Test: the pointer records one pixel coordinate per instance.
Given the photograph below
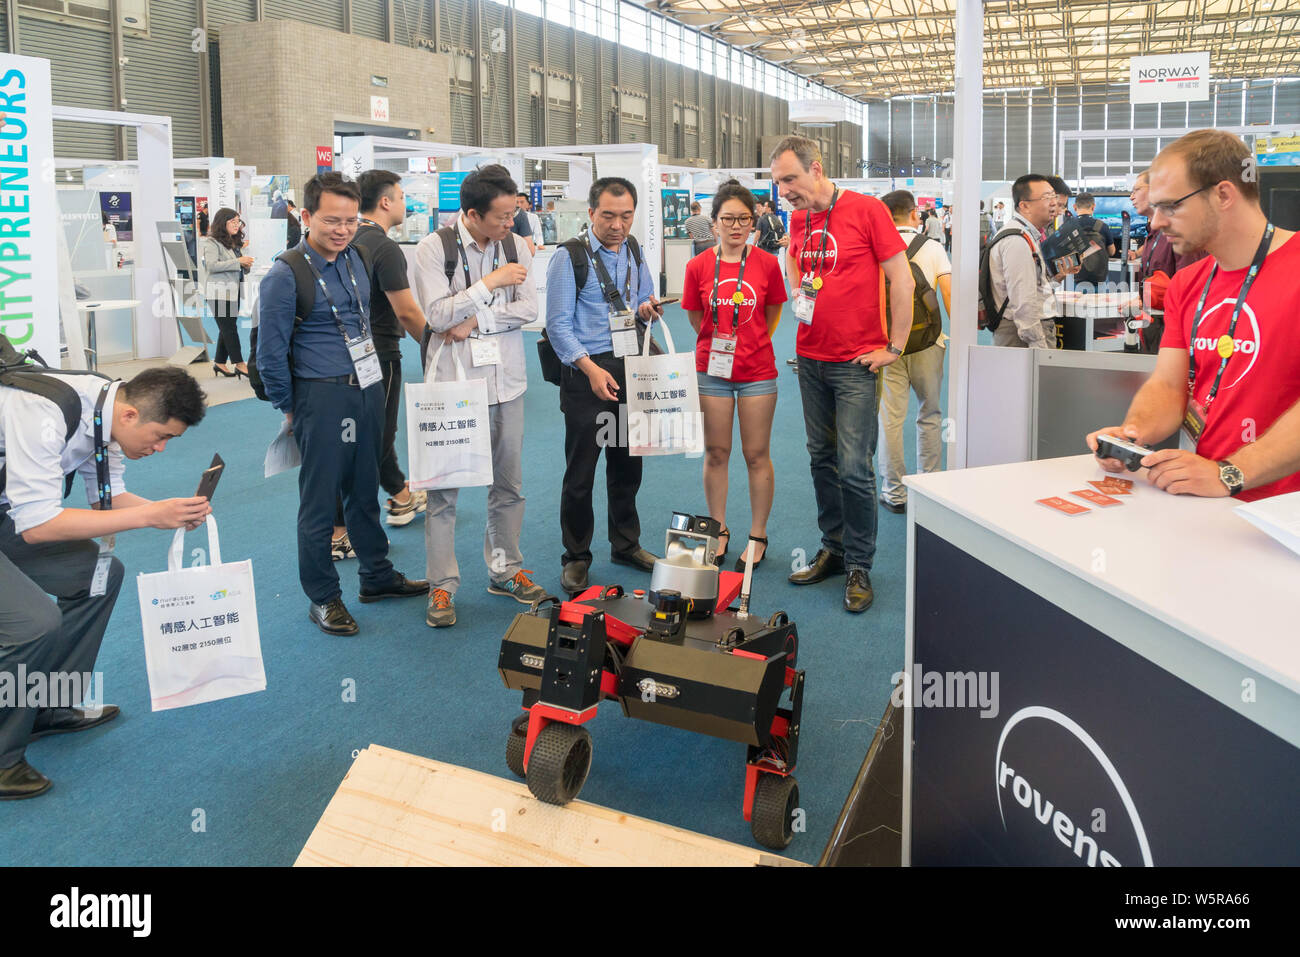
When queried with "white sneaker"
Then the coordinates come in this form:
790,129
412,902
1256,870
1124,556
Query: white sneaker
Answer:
399,515
341,548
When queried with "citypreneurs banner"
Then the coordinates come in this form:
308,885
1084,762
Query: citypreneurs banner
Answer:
29,300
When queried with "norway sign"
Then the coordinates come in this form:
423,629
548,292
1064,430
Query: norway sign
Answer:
1178,77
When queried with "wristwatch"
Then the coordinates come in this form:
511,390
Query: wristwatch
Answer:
1231,477
894,349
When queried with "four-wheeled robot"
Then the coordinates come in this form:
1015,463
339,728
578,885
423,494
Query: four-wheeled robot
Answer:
675,655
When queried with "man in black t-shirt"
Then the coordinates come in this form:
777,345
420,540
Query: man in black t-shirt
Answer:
383,206
524,229
1096,267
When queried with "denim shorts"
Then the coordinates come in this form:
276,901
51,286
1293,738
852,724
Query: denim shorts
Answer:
726,388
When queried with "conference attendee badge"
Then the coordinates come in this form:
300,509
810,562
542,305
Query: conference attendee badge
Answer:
365,361
99,581
803,307
622,332
485,351
1193,420
722,356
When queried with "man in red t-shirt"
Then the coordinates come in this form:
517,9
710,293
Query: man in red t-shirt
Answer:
1203,196
839,243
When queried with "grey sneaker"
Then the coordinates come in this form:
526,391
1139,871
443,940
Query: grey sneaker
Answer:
521,588
442,611
399,515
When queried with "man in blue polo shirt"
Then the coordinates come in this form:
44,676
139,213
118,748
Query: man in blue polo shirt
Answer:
579,324
322,372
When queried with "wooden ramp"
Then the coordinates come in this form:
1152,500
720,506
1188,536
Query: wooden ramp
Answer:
396,809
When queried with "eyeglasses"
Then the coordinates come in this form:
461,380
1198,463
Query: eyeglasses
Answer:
735,220
334,222
1171,207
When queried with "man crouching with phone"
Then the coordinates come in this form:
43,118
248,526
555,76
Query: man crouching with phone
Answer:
47,549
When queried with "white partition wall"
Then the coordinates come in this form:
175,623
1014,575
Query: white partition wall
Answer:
155,323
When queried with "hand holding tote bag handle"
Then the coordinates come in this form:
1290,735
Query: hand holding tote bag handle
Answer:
448,444
201,640
663,400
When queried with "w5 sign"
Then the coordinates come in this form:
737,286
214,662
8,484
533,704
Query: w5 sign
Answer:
1177,78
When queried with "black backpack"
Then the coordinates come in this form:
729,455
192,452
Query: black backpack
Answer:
304,281
990,313
17,372
927,322
451,258
577,249
1096,267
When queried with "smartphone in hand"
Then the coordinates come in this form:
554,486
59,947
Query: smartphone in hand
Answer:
211,475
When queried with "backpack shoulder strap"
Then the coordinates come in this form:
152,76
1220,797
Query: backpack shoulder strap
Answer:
60,393
578,256
364,254
447,234
512,252
914,247
635,248
304,283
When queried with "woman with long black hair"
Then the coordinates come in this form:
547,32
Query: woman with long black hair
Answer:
222,266
732,294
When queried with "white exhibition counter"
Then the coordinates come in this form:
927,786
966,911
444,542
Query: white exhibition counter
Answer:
1119,686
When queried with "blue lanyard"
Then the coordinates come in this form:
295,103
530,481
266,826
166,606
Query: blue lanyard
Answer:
361,312
607,288
101,452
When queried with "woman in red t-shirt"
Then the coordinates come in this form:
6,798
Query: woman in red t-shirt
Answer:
733,295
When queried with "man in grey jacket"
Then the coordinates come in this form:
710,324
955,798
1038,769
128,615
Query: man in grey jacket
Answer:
1018,272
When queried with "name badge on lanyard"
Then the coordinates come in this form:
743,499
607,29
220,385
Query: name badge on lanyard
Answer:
485,351
722,355
361,349
722,347
806,298
622,332
365,361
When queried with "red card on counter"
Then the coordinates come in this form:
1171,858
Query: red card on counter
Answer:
1062,505
1097,498
1110,488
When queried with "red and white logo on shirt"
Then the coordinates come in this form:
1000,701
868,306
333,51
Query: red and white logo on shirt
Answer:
1245,344
810,254
750,300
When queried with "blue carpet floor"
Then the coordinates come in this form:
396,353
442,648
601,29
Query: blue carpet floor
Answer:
243,781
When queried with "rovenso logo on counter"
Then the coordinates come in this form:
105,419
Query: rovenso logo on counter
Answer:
1060,797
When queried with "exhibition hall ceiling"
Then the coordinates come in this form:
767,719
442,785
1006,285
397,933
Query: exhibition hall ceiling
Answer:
879,48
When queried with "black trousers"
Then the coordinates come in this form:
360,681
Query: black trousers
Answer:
228,346
590,425
339,429
391,478
42,636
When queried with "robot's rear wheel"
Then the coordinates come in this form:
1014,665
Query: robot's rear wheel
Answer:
558,766
515,745
776,799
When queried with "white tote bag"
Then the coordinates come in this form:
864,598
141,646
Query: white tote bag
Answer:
663,401
200,628
448,443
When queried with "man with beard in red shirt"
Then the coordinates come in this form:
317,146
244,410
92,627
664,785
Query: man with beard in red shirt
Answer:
1228,372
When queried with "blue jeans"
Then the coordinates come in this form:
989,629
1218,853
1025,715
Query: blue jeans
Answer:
839,411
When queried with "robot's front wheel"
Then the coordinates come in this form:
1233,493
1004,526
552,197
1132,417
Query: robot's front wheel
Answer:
776,799
558,766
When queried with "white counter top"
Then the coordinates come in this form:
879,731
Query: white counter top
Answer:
1189,562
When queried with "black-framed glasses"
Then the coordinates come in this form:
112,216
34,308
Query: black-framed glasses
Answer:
1171,207
735,220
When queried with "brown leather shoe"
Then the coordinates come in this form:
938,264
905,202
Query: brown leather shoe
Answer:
858,594
824,564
